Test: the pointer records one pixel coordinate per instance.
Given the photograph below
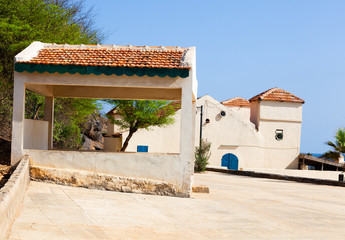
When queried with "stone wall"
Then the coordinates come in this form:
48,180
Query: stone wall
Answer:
78,178
12,195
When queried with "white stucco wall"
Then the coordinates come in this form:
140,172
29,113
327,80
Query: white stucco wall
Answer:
285,111
158,139
35,134
236,134
244,112
229,134
285,116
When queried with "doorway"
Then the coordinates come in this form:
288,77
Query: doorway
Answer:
230,161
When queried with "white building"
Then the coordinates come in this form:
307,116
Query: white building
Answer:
263,132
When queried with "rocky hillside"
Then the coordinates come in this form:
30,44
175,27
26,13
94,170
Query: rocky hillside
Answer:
92,131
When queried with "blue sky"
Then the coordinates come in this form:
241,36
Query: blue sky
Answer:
245,47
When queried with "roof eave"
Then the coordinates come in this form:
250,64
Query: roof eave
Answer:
98,70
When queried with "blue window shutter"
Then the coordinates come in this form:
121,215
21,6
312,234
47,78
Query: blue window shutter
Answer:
141,148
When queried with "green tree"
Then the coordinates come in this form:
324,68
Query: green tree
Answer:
34,105
338,146
202,155
137,114
67,129
57,21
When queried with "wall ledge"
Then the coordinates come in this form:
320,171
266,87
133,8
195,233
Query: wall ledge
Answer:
12,196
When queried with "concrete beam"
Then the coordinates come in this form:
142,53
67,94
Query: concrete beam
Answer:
44,90
116,92
100,80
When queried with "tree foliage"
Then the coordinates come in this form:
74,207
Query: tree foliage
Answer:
338,146
55,21
202,155
137,114
67,129
34,105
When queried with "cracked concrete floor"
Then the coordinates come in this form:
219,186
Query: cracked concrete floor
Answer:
237,208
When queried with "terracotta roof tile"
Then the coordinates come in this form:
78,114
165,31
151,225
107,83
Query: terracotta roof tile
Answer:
150,57
237,101
276,94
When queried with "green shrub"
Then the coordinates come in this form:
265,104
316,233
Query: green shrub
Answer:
201,156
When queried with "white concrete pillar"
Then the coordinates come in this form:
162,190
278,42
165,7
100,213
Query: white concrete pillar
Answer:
49,116
18,120
193,141
187,134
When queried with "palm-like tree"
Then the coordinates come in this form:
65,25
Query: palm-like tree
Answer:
338,146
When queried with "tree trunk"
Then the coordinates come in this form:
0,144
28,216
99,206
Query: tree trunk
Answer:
37,110
130,134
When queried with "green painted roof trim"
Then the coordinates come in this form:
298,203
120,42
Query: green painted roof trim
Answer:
97,70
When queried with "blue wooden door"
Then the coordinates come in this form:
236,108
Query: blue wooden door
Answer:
230,161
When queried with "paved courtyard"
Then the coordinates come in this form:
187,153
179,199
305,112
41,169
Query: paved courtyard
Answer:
236,208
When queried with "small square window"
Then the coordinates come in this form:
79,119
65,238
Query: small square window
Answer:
279,134
141,148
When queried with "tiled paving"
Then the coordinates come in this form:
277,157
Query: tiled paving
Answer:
236,208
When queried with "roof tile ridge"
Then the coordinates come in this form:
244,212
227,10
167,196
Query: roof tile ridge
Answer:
231,99
267,92
295,97
98,46
240,98
291,95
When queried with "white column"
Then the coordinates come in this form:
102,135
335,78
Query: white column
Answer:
193,141
49,116
18,120
187,134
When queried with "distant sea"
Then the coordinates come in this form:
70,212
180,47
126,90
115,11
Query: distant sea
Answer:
320,154
316,154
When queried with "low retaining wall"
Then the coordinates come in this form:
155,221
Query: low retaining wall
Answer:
279,177
12,195
327,175
79,178
141,169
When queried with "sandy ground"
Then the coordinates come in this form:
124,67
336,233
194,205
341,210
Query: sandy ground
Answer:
237,208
